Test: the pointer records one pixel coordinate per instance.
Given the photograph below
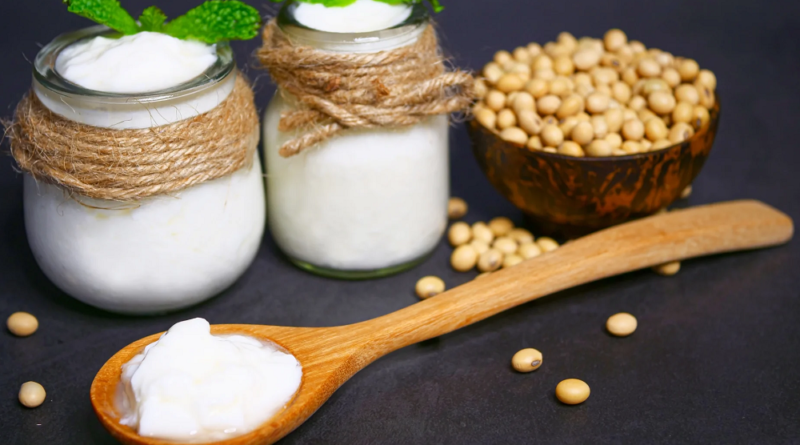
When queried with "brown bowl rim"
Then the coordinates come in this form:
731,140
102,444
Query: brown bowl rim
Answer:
714,112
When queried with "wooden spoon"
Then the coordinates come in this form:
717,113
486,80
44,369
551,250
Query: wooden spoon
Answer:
330,356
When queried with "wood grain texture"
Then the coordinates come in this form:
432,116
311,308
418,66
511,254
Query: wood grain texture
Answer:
330,356
572,196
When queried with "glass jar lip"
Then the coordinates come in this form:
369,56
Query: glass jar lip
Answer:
45,73
287,22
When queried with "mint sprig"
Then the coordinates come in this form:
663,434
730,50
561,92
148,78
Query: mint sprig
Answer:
213,21
435,4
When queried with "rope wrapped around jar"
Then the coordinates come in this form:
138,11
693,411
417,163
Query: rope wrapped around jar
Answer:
133,164
399,87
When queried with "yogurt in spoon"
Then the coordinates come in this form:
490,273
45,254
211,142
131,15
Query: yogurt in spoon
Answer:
194,386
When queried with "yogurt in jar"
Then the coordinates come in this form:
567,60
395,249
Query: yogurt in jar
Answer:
139,63
361,16
164,252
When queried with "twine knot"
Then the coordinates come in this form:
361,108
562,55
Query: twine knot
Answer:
339,91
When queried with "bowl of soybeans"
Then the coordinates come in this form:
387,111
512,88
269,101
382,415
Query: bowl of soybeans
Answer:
582,134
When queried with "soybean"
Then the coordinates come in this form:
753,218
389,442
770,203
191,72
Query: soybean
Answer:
521,236
535,143
572,391
500,226
615,39
456,208
571,106
487,117
583,133
490,261
706,78
506,119
598,147
529,250
482,232
599,126
464,258
429,286
680,132
633,130
668,269
571,148
515,135
537,88
505,245
597,103
548,104
547,244
688,69
622,324
649,68
22,324
527,360
683,112
700,116
552,136
459,234
661,102
656,129
615,117
512,260
510,82
31,394
479,246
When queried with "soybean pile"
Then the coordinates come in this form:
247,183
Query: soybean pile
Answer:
594,97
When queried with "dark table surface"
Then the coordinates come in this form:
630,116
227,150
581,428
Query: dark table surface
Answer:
716,358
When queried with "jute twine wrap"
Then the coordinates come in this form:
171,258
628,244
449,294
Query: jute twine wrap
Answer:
338,91
129,165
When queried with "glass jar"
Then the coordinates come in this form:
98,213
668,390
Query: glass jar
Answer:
366,203
158,254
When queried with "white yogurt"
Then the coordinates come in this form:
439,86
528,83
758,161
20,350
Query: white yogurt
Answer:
162,253
367,199
361,16
140,63
193,386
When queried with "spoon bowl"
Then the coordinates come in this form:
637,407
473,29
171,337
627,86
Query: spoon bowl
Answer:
330,356
326,366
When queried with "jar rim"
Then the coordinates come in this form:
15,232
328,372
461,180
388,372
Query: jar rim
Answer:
406,30
46,74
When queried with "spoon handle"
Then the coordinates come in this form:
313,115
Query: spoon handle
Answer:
674,236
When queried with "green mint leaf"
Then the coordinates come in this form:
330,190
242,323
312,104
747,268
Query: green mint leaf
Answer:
104,12
326,3
437,6
152,19
215,21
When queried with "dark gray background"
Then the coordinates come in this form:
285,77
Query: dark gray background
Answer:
716,358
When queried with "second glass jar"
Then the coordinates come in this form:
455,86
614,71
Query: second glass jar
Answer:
367,203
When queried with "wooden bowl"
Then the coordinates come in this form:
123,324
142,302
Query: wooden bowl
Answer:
570,197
